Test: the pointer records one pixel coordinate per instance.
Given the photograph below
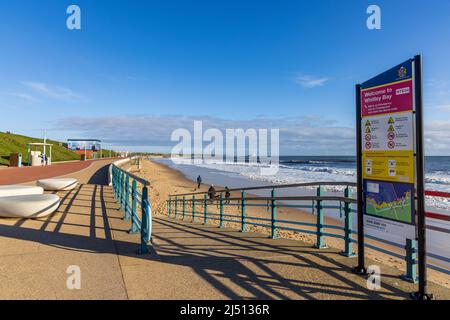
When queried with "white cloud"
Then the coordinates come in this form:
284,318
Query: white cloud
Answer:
438,83
444,108
301,135
437,137
309,82
54,92
311,135
439,87
20,95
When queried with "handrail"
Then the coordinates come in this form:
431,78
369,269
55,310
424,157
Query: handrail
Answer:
279,186
439,194
297,198
134,177
437,216
433,215
126,193
317,203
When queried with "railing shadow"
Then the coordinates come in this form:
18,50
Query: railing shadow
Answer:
250,252
100,177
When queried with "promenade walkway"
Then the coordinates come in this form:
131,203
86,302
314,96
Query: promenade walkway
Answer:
15,175
187,261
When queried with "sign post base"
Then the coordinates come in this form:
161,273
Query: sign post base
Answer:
421,296
360,270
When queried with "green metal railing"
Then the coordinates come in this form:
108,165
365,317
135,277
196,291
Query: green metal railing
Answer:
125,186
316,203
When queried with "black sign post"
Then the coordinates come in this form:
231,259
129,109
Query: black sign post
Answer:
420,190
361,268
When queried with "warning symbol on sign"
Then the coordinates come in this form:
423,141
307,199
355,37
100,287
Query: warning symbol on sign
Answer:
368,130
391,144
367,123
391,120
368,145
391,136
391,128
368,137
392,163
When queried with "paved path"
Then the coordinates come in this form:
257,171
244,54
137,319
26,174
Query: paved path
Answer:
205,262
188,261
35,254
25,174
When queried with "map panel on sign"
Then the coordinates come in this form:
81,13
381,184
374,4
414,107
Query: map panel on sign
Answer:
390,200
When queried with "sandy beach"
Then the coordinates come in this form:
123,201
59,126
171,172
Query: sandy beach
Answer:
166,181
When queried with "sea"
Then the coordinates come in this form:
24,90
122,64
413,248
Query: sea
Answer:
305,169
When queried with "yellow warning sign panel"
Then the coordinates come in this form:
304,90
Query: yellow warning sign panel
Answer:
395,166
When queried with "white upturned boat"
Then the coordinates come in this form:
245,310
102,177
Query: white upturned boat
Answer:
58,184
19,190
28,206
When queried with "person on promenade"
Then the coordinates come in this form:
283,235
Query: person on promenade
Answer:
199,181
227,195
212,193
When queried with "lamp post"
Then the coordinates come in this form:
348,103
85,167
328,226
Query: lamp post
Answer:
45,141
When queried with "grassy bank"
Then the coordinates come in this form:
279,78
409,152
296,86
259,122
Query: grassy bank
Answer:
10,143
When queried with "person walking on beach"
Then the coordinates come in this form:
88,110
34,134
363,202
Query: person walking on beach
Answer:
212,193
199,181
227,195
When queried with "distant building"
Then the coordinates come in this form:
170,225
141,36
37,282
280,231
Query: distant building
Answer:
91,148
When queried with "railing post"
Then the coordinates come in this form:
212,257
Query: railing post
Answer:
112,180
120,187
205,210
193,208
146,222
122,191
243,212
221,210
274,215
348,250
176,207
184,207
170,206
127,215
320,243
115,182
134,227
411,261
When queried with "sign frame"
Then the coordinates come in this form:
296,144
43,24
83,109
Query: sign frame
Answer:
417,181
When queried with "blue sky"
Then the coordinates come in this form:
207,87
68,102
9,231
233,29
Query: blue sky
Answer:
139,69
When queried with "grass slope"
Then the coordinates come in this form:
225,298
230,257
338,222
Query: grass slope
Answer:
10,143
